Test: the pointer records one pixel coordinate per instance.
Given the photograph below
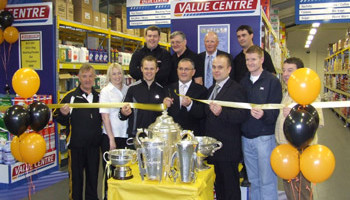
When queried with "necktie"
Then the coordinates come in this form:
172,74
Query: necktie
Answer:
209,75
215,91
182,92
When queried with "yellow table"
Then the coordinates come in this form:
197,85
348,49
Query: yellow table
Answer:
136,189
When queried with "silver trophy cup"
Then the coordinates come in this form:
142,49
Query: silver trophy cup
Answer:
121,159
206,147
186,154
150,157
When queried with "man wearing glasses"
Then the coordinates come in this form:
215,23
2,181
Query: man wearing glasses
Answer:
178,44
186,112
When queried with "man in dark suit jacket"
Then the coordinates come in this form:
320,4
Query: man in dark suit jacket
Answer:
203,74
223,124
186,112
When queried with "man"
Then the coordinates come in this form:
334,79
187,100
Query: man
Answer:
85,135
245,39
186,112
258,131
151,48
223,124
179,45
204,75
143,91
289,66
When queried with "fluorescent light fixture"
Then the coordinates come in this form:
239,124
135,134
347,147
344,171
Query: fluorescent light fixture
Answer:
308,42
307,46
315,25
313,31
310,37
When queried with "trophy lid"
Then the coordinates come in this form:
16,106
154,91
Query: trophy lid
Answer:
164,123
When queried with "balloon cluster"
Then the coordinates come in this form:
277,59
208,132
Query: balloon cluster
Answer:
316,162
27,147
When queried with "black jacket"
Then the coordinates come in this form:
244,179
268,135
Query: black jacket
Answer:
188,120
84,123
163,60
140,93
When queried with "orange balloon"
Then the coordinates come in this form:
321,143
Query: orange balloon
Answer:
32,148
304,86
15,149
317,163
11,34
25,82
1,36
3,4
285,161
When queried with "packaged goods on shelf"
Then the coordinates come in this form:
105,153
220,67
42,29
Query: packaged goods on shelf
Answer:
124,58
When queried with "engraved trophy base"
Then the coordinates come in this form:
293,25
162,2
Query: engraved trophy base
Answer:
122,173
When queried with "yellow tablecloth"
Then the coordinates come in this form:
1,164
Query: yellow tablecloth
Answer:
136,189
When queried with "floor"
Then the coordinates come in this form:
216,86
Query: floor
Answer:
333,135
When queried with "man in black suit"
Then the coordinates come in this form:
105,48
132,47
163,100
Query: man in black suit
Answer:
203,74
186,112
223,124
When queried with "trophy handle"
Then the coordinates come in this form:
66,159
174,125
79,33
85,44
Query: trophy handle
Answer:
219,146
141,164
139,131
173,174
189,134
104,156
130,141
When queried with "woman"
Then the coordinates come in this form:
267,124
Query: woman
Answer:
113,128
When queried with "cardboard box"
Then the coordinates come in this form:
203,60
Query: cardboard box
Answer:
116,24
104,20
96,19
124,27
70,12
83,4
83,15
163,37
60,9
137,32
120,11
130,31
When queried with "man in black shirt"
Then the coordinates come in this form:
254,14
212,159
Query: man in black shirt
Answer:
245,38
151,48
178,44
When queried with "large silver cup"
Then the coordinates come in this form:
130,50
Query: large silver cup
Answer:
206,147
150,157
186,154
121,159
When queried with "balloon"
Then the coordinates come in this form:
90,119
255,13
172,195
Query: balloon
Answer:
25,82
11,34
304,85
16,119
6,19
285,161
310,109
317,163
32,148
1,36
15,149
299,127
39,115
3,4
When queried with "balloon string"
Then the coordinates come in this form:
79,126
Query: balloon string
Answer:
9,53
291,186
29,177
3,58
299,185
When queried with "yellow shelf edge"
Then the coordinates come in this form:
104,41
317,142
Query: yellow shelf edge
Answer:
101,66
337,91
337,53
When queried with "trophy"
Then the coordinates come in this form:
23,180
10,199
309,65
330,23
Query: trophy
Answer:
206,147
121,159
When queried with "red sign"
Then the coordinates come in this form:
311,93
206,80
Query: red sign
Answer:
30,12
215,6
23,168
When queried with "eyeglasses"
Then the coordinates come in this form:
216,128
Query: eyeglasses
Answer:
184,69
176,42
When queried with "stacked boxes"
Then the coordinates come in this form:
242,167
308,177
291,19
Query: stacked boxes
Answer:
83,11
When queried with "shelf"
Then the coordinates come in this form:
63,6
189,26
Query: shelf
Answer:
338,72
337,91
341,115
78,65
337,53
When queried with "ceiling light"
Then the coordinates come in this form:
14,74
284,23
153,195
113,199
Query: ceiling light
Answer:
315,25
313,31
307,46
310,37
308,42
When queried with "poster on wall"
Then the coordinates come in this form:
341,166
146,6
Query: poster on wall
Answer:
223,32
30,47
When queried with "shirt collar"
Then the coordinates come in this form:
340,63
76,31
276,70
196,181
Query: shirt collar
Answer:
222,83
213,55
187,84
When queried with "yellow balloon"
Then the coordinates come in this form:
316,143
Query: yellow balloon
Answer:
3,4
285,161
25,82
304,86
317,163
15,149
32,148
11,34
1,36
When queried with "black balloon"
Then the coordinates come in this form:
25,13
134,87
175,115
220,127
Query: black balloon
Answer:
6,19
299,128
16,119
310,109
39,115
